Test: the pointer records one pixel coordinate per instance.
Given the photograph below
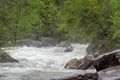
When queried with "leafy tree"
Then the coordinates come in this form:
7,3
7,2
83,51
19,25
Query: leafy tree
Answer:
93,21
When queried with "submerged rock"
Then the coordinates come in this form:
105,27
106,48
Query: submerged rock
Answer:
65,46
107,60
83,64
4,57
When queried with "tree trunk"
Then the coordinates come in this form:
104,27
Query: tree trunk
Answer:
38,27
17,21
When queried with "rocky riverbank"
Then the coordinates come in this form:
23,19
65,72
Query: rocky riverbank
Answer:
107,67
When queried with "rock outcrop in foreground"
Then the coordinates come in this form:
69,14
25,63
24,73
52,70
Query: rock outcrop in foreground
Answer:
84,75
107,60
112,73
4,57
107,66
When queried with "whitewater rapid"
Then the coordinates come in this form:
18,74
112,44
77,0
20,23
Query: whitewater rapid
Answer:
40,60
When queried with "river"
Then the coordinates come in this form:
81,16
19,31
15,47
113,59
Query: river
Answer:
39,63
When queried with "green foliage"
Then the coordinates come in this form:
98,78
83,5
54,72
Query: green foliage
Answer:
76,20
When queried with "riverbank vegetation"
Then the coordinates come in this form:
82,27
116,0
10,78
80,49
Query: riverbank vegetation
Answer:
93,21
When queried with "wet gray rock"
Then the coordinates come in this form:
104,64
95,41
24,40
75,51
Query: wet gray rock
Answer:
65,46
4,57
33,43
48,41
112,73
81,76
29,43
107,60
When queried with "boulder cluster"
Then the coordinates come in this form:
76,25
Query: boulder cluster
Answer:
107,67
63,46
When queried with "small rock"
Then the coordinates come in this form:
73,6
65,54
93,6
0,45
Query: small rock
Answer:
65,46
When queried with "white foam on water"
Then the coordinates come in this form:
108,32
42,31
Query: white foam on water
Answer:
42,59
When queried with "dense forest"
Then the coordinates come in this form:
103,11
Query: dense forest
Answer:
93,21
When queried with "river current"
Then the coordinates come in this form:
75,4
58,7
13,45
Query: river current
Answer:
39,63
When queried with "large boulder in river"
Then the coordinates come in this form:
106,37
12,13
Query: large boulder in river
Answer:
4,57
65,46
107,60
73,63
87,62
83,64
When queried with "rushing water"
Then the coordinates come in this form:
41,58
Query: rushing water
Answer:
39,63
